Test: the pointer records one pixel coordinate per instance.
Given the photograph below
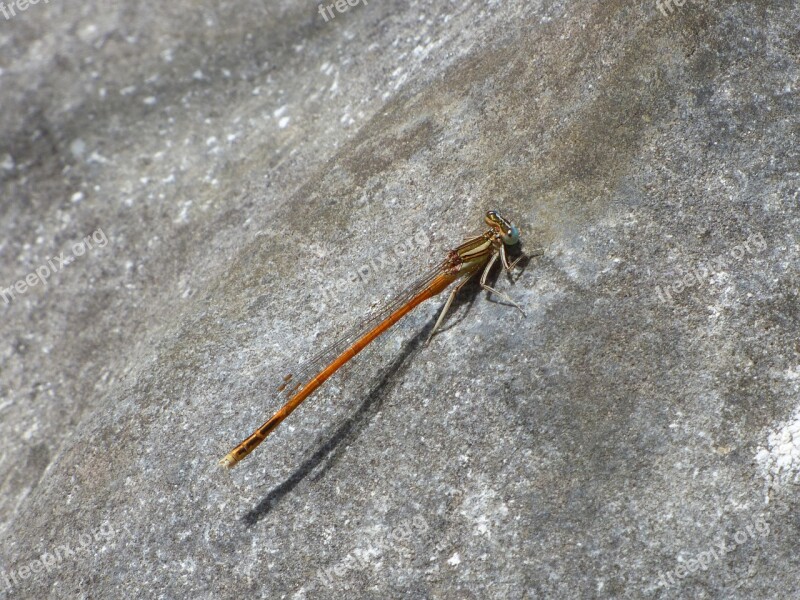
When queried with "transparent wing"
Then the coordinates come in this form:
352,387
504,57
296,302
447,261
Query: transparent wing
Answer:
295,381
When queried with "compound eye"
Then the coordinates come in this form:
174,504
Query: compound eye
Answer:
511,236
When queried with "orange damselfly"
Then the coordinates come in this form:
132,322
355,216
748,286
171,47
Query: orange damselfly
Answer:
462,263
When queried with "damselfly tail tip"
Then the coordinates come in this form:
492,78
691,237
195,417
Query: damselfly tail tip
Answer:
229,461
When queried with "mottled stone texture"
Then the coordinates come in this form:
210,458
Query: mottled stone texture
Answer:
254,169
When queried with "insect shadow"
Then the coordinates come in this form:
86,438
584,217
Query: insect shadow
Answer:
348,431
351,428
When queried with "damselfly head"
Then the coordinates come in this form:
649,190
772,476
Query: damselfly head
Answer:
507,231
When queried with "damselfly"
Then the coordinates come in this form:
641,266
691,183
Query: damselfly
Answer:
462,263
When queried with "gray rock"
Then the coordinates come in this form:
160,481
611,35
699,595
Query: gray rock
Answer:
233,183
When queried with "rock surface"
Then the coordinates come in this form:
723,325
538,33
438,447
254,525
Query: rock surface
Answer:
234,181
